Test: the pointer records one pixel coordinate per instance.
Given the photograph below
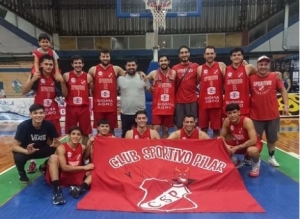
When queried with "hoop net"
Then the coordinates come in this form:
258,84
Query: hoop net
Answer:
159,9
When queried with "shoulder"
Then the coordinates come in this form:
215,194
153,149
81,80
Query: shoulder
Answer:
61,149
226,122
46,123
25,124
129,134
203,135
194,65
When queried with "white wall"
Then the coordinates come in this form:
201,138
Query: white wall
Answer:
276,42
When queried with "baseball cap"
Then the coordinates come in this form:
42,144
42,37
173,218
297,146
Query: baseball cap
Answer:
263,58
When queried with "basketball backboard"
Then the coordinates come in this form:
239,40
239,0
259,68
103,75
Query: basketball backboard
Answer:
137,8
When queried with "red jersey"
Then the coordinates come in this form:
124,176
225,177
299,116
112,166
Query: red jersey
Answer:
264,104
137,135
105,90
78,90
194,135
164,94
105,136
211,83
237,88
186,89
45,95
73,157
39,56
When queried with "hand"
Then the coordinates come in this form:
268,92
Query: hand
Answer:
143,76
58,77
31,149
233,149
36,76
228,147
91,142
285,111
278,75
244,62
89,166
55,143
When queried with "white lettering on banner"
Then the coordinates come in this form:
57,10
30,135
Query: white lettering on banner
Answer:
36,137
176,155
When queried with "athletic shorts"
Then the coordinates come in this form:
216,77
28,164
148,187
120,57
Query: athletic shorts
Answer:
78,115
259,146
210,118
271,128
164,120
112,117
67,178
56,124
182,109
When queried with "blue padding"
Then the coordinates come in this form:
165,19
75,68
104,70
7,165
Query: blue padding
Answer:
152,66
149,112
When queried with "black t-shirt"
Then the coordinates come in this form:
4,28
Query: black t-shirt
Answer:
27,133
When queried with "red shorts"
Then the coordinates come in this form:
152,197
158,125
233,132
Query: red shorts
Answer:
68,178
259,146
164,120
81,115
210,118
56,124
112,117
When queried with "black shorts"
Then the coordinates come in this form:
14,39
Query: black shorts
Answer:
182,109
271,128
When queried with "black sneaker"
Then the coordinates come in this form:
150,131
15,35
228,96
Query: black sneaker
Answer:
75,191
23,177
43,168
58,198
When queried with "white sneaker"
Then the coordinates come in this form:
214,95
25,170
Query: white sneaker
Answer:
273,162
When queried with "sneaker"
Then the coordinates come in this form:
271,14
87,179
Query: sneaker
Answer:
247,161
23,177
273,162
32,167
60,101
74,191
58,198
236,162
42,168
255,171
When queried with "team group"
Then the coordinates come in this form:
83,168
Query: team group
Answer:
242,118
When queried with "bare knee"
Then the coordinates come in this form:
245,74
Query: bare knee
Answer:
53,160
252,151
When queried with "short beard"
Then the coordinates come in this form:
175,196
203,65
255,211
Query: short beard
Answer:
164,68
104,64
131,73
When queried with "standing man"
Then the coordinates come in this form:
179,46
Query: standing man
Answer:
142,131
264,105
186,82
132,88
188,131
105,90
237,82
211,92
79,84
163,103
35,138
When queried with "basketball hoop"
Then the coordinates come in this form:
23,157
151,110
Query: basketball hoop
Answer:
159,9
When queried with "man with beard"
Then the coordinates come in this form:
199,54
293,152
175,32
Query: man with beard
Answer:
211,92
78,103
188,131
142,131
163,103
132,88
185,90
105,90
264,105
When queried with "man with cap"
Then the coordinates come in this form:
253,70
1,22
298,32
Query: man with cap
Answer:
264,105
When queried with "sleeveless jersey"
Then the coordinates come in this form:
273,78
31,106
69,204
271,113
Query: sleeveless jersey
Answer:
73,157
78,90
45,95
39,56
104,136
238,131
237,88
137,135
211,83
105,90
186,89
194,135
164,94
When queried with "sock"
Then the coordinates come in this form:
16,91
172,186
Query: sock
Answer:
55,184
271,153
256,164
83,187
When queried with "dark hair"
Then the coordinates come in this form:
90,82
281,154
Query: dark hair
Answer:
232,106
102,122
35,107
105,51
209,47
161,56
46,57
43,36
73,128
141,112
237,49
131,60
189,116
77,57
183,47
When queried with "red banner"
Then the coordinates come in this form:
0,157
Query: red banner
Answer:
165,176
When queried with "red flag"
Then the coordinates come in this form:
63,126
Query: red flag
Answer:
165,176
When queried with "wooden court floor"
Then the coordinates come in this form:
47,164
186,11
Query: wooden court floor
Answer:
288,141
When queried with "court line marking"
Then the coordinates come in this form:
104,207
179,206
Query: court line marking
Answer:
289,153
